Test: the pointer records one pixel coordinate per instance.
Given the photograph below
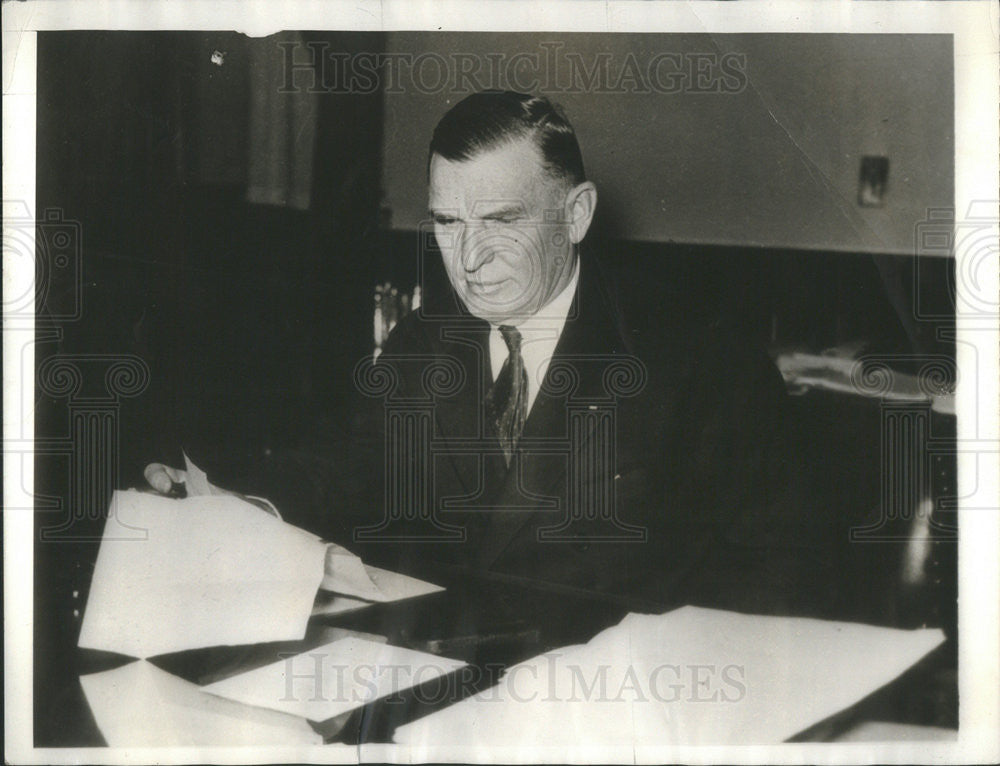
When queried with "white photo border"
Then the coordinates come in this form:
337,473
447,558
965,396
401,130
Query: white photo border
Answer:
974,28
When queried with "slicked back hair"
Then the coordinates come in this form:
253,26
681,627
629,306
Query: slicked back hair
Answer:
492,118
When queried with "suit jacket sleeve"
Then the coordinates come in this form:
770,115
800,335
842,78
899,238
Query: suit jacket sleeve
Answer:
743,485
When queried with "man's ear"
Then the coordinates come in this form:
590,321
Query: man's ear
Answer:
581,202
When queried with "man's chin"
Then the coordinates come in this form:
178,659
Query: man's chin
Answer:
498,312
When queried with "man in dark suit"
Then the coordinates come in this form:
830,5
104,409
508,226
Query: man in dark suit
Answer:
521,429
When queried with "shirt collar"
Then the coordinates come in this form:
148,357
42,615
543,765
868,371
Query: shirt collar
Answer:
552,316
539,336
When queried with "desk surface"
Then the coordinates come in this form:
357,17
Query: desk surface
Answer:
486,622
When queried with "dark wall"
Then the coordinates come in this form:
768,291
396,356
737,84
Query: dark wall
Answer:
246,314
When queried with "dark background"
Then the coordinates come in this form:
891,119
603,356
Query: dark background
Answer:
251,317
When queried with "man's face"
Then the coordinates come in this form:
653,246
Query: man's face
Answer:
500,221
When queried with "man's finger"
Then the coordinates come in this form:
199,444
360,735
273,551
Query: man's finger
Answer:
162,477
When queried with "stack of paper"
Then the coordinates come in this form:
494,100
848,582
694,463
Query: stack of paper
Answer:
690,677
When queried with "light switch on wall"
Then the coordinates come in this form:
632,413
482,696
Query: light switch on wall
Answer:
873,181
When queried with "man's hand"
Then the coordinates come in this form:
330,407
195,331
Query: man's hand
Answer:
171,482
163,478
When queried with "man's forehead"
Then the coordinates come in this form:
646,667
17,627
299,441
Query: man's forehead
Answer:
512,173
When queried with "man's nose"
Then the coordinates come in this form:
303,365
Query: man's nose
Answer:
474,246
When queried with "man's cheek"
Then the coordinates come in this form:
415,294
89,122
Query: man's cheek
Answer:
445,238
451,265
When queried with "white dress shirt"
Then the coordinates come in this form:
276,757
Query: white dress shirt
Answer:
539,336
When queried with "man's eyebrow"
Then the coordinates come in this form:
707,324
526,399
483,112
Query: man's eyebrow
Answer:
504,212
507,211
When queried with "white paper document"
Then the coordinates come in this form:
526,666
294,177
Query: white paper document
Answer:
196,482
139,705
333,679
689,677
391,586
346,574
173,575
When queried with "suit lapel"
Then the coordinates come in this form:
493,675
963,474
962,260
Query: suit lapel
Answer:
589,336
460,417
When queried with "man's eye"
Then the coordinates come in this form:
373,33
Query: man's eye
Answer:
445,220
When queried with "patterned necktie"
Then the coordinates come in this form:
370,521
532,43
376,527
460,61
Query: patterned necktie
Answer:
507,399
